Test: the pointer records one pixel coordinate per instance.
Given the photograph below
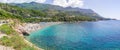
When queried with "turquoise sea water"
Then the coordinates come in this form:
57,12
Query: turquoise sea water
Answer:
101,35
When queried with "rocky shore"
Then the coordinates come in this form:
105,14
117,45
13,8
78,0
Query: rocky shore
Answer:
31,27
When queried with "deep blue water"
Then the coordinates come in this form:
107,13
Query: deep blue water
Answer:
101,35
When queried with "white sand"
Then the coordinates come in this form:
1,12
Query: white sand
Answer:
30,27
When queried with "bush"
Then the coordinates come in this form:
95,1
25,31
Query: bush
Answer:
6,41
6,29
14,40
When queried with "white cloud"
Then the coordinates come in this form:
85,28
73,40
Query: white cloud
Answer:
21,1
40,1
63,3
60,3
71,3
13,1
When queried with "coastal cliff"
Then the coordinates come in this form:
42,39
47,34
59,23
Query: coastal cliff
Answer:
12,39
31,27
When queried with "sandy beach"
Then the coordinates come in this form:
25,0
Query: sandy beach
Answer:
31,27
28,27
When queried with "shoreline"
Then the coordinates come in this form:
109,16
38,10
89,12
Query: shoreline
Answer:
32,45
31,27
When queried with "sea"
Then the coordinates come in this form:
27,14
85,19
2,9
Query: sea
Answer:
96,35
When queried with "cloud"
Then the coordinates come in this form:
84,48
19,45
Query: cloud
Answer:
40,1
63,3
21,1
14,1
68,3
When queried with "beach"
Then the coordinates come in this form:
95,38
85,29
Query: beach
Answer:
28,27
31,27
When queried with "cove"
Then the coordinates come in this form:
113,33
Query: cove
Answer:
100,35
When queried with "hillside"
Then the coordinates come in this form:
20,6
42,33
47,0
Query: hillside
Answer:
20,11
68,10
45,13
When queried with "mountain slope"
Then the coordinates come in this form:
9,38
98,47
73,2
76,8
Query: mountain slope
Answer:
6,15
67,10
20,11
45,14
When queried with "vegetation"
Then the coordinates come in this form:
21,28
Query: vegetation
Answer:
20,11
6,29
16,42
19,15
32,15
52,10
6,41
6,15
62,19
13,39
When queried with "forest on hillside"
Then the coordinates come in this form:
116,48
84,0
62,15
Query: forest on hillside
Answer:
32,15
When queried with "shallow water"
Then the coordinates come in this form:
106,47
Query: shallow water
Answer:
101,35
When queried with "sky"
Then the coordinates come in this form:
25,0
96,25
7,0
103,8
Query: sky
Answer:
105,8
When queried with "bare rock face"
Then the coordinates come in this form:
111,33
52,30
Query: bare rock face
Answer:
27,28
30,27
25,33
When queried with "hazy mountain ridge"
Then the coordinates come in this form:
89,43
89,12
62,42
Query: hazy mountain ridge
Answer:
67,10
36,12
